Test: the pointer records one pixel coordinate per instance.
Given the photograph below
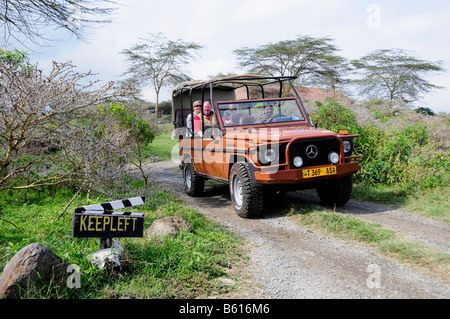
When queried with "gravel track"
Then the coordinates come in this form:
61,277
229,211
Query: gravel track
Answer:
292,262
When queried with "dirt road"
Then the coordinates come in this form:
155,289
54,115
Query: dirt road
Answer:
289,261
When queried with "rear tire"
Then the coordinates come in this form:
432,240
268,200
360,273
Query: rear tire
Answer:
337,191
193,183
247,197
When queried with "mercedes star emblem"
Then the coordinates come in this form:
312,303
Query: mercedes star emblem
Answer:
312,151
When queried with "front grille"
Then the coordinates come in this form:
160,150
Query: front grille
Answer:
323,147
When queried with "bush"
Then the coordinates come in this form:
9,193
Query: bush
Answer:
43,137
139,132
406,156
335,117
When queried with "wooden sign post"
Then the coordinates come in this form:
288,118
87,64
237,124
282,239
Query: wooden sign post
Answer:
100,221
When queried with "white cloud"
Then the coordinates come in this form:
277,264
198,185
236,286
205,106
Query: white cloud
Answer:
251,11
223,26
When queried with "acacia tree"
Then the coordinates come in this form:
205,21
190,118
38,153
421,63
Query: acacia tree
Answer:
24,20
394,74
47,133
158,61
332,72
303,57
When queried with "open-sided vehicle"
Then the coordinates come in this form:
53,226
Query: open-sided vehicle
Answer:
263,141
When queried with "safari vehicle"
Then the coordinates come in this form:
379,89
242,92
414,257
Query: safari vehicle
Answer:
263,142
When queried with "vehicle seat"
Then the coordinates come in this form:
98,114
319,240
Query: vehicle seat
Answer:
235,117
180,117
246,120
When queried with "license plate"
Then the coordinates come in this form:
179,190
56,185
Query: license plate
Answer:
316,172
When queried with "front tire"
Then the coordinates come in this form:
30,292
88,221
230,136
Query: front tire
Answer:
193,183
247,197
337,191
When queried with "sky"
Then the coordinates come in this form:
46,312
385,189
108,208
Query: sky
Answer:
358,27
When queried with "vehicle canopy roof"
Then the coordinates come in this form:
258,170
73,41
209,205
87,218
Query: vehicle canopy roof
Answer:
224,89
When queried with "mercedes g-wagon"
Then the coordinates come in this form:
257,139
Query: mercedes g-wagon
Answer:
258,139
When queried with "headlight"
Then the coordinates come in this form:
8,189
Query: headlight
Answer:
347,146
270,155
333,157
298,161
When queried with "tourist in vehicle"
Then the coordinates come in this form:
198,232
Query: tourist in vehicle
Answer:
268,113
197,113
227,115
209,119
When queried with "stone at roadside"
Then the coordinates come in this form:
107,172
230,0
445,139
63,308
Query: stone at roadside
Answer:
108,257
167,226
32,264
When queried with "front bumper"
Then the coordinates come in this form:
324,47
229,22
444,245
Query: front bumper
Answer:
268,175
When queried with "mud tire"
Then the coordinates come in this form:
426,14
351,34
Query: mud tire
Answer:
336,192
193,183
247,197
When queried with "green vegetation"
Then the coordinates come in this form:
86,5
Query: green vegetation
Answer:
183,267
186,266
15,57
432,203
162,146
403,164
140,132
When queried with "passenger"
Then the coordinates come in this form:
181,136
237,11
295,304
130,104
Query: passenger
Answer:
197,113
268,114
209,119
227,115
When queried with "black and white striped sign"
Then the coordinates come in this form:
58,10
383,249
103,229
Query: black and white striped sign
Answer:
100,221
109,206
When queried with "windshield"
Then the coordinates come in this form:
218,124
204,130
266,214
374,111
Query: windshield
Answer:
259,112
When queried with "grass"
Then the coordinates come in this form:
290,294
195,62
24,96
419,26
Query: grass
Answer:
162,145
186,266
431,203
385,241
379,193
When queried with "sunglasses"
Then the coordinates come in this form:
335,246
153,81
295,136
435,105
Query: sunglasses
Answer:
197,106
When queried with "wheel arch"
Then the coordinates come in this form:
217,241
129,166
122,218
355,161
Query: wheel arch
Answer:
235,158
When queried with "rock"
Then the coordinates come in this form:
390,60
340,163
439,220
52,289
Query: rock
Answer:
108,256
167,226
32,264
